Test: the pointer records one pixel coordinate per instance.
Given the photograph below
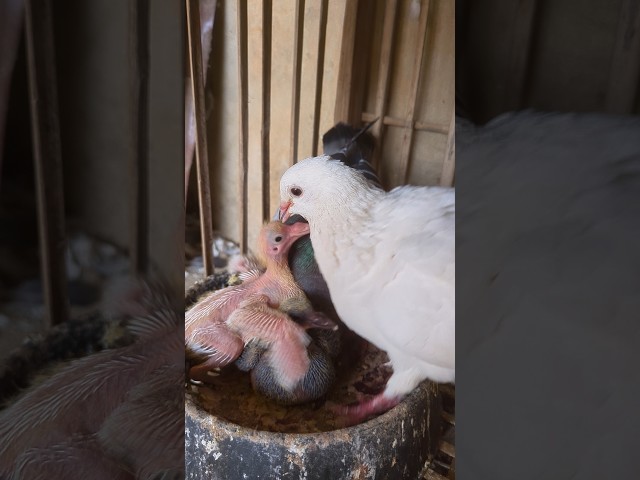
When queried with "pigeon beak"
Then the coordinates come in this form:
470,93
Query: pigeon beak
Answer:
284,210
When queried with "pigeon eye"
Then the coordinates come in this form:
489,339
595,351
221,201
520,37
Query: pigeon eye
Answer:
296,191
278,239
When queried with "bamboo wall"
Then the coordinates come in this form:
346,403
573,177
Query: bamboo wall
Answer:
283,72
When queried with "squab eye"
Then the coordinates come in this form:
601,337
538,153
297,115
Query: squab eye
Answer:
278,239
296,191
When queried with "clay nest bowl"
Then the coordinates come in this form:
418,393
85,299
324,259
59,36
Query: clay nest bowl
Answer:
233,433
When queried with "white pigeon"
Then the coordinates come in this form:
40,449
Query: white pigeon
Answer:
389,261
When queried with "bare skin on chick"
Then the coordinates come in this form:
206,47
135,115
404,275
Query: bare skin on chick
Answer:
218,327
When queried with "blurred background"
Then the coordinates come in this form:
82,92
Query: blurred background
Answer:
548,55
91,112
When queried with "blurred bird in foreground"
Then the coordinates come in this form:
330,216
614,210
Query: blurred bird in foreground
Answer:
388,259
549,238
116,414
268,310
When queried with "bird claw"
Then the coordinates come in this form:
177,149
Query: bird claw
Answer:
193,381
201,374
350,415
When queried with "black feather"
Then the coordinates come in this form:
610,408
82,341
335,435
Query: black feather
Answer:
353,148
314,385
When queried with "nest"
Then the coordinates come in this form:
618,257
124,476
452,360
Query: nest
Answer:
361,373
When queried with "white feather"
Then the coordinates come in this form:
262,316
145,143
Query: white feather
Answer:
389,262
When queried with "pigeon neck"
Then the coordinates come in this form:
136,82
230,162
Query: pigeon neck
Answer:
339,231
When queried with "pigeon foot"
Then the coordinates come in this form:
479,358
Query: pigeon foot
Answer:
363,410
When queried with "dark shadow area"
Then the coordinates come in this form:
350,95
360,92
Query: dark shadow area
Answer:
547,235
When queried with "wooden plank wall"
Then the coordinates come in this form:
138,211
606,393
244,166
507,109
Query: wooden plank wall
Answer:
283,74
410,88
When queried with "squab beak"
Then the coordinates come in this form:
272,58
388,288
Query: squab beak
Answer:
284,210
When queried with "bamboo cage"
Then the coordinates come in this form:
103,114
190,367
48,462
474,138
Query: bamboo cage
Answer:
282,73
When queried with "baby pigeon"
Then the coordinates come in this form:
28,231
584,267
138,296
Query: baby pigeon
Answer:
389,262
260,310
317,380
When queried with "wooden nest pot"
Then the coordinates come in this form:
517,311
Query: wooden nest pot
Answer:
394,445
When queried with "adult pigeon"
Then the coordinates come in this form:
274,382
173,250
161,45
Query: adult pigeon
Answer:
389,262
354,148
218,327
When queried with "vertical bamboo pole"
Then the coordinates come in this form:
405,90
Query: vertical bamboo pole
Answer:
258,67
401,172
297,71
345,77
45,129
241,32
324,10
384,74
139,65
202,160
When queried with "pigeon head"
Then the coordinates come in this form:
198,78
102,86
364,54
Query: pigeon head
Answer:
276,238
313,185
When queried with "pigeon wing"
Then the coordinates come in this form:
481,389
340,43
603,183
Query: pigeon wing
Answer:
414,273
